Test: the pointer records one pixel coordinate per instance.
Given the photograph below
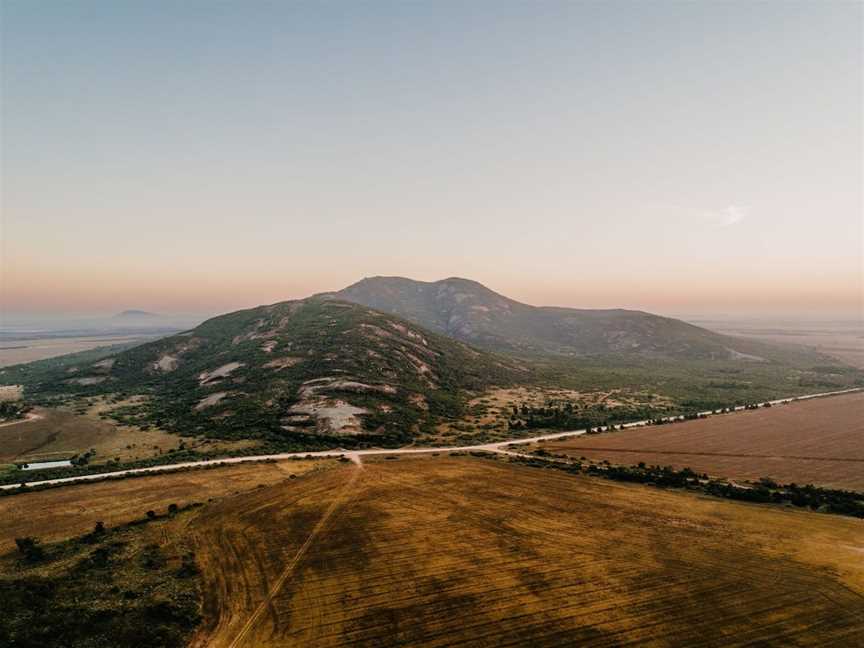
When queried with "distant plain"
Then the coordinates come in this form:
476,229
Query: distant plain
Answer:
841,340
29,350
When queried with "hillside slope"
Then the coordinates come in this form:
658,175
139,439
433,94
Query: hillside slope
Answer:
312,371
468,311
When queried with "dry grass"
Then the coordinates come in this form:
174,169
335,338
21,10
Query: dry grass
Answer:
817,441
446,552
60,434
61,513
10,392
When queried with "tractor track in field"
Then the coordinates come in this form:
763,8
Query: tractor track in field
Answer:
344,495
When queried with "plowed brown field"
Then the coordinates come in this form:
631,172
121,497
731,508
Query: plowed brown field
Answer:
461,551
820,441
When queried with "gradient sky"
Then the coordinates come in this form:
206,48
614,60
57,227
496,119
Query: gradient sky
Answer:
683,158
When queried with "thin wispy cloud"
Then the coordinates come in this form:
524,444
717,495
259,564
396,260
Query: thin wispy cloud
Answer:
726,217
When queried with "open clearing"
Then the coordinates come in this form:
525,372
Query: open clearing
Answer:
60,513
10,392
437,551
60,434
819,441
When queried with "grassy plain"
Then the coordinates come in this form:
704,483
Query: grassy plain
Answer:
439,551
60,513
62,433
817,441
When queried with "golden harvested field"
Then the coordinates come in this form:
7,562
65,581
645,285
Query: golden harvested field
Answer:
461,551
60,513
820,441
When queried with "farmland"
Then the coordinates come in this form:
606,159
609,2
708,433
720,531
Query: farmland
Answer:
60,513
452,551
817,441
449,549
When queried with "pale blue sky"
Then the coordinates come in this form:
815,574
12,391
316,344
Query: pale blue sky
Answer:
698,158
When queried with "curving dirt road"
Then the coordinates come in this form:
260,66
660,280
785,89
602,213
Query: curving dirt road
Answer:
30,416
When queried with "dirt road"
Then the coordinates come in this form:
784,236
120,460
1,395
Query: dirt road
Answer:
30,416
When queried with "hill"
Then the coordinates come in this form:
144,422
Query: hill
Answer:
309,372
136,314
471,312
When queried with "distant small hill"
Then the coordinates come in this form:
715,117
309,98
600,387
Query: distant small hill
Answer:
136,314
469,311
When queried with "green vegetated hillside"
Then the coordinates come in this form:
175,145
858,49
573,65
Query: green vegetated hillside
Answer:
310,372
468,311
